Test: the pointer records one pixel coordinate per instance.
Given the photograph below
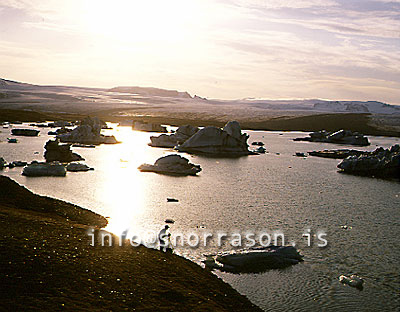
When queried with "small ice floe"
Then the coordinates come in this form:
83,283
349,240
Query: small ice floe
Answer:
40,169
83,145
25,132
255,260
18,163
353,281
260,150
210,263
346,227
75,167
2,163
14,164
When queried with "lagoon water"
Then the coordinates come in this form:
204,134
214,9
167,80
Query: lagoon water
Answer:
260,194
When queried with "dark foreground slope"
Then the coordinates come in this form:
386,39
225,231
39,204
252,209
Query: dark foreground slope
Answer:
47,264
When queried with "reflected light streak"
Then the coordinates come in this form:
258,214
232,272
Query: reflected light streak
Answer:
125,189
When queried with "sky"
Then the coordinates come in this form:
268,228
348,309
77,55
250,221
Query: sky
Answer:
227,49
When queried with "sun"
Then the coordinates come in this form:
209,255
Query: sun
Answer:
141,21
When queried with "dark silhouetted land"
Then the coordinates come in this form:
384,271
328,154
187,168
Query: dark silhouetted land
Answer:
47,264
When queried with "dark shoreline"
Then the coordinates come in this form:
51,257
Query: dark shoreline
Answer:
359,122
47,264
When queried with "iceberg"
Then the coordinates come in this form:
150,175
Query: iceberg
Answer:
381,162
148,127
54,151
353,280
213,141
2,163
182,134
339,137
25,132
41,169
88,132
255,260
75,167
172,165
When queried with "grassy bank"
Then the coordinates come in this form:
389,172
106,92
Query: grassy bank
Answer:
47,264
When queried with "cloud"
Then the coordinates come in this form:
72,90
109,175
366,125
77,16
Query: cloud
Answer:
273,4
232,48
370,18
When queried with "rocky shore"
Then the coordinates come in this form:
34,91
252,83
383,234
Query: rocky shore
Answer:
47,264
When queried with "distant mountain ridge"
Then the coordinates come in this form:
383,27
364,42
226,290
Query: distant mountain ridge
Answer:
151,92
124,96
5,83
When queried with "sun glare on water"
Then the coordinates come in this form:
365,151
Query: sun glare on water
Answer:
124,189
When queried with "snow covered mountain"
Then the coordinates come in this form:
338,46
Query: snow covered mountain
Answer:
357,107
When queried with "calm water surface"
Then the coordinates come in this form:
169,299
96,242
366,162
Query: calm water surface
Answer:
265,193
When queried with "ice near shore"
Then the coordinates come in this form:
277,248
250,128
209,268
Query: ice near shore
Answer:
255,260
41,169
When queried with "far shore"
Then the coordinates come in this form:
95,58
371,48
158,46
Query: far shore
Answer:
364,123
48,264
